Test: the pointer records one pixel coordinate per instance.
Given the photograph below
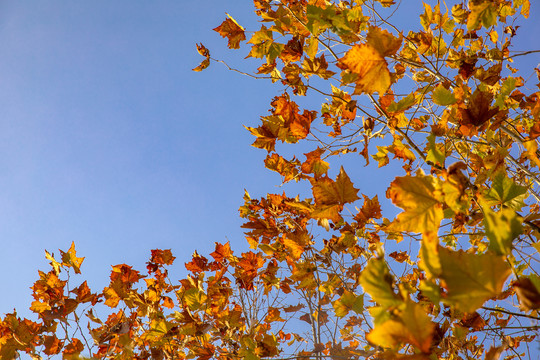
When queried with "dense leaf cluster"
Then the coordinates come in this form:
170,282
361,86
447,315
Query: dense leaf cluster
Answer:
453,276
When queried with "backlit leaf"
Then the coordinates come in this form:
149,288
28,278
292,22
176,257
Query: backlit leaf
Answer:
232,31
385,43
442,96
377,281
471,279
417,196
502,227
369,65
69,258
348,301
412,326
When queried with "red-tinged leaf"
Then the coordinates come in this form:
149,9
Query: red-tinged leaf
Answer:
286,168
111,297
294,248
232,31
197,264
266,135
528,293
293,308
306,318
273,315
330,212
74,348
301,124
314,164
473,320
168,302
371,209
162,257
292,51
52,344
84,294
478,110
125,274
370,67
400,256
222,252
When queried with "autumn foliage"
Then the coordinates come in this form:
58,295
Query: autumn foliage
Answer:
453,276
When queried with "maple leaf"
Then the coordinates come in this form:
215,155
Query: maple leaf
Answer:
53,345
478,111
417,196
162,257
371,209
314,164
232,31
378,283
330,196
222,252
471,279
412,326
385,43
482,13
341,191
347,302
369,65
69,258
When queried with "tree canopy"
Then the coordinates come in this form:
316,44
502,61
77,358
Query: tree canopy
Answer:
330,275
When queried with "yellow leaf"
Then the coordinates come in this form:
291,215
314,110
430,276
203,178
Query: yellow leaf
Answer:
385,43
482,13
417,196
377,281
412,326
39,307
471,279
429,254
369,65
55,264
69,258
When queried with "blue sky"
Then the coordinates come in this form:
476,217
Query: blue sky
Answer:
108,139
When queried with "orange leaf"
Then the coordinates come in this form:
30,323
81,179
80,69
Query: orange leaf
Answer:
74,348
53,345
385,43
329,192
370,210
162,257
365,61
222,252
314,164
232,31
69,258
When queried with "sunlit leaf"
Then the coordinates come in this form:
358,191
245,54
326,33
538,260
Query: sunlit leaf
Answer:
417,196
369,65
232,31
471,279
378,283
412,326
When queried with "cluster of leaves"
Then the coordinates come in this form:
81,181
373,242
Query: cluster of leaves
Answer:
453,276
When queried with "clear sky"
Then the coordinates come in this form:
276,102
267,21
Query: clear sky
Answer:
108,139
